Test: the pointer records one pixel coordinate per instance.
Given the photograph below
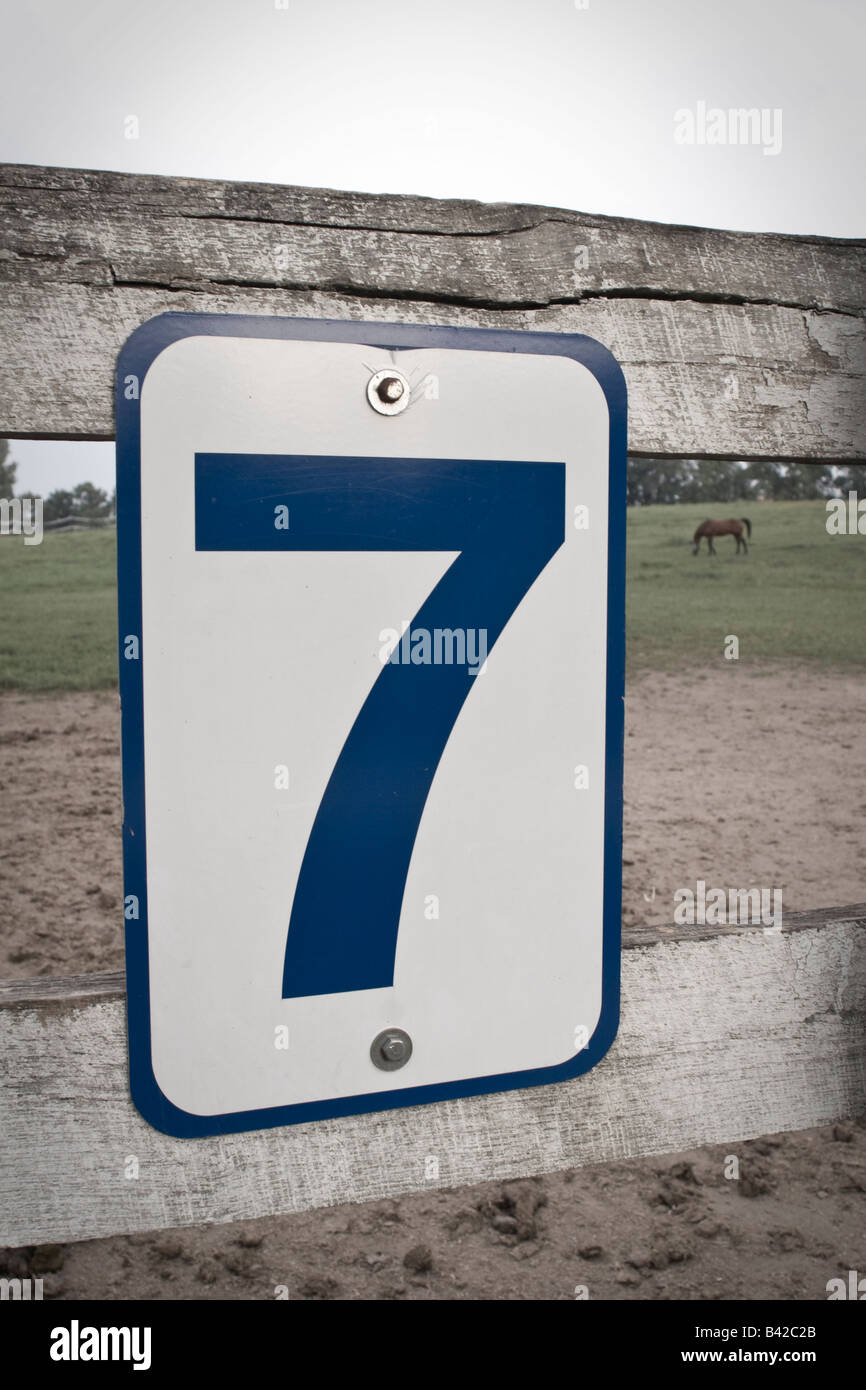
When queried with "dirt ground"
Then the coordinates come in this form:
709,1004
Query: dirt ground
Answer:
743,780
667,1228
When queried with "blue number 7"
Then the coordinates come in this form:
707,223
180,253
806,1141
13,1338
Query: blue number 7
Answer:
507,520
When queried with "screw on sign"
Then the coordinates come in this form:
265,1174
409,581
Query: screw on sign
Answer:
391,1049
452,521
388,391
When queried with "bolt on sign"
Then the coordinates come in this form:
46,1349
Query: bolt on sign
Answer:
371,599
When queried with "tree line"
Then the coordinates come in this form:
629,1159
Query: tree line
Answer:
649,481
652,481
84,501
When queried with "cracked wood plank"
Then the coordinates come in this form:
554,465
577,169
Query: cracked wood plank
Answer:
137,224
733,344
725,1035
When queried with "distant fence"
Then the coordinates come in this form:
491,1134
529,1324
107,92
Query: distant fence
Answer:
734,346
80,523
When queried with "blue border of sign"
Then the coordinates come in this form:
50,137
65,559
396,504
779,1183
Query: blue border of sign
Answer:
136,356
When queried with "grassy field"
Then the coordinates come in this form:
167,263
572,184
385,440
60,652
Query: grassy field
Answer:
798,596
58,611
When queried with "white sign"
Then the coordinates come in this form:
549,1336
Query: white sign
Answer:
371,651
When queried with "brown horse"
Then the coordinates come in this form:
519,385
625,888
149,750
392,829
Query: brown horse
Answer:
731,527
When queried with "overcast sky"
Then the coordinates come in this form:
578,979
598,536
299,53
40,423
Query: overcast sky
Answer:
572,103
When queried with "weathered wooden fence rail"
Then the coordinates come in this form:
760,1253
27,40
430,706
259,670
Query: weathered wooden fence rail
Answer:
725,1035
733,345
